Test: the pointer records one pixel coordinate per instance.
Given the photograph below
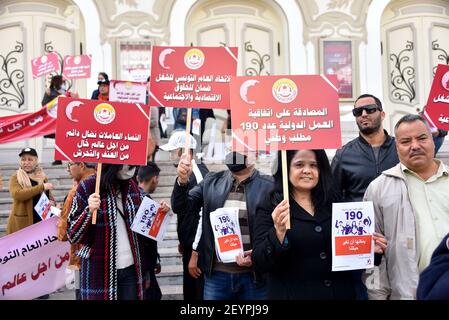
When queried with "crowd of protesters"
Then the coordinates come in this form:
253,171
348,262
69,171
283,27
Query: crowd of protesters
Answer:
409,189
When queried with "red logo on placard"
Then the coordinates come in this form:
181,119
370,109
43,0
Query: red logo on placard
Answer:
285,90
194,59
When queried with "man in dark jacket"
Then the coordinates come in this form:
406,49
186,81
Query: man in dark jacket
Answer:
363,159
434,280
241,186
192,288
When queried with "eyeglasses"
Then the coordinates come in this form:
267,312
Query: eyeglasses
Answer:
371,108
72,164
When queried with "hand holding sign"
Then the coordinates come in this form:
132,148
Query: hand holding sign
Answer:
184,169
94,202
280,217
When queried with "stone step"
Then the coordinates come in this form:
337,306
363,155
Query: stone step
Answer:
172,292
170,275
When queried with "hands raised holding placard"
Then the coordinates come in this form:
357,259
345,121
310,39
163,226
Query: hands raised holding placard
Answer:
184,169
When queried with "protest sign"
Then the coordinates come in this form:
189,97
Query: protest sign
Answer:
44,208
227,234
44,65
77,67
101,132
352,234
192,77
96,131
33,262
127,91
150,220
285,113
437,109
29,125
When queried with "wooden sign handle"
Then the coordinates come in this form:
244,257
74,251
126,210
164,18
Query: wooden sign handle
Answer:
188,125
97,190
285,180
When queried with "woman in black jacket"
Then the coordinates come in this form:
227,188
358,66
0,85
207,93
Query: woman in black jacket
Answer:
299,261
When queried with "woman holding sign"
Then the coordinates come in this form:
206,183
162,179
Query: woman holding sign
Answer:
26,187
115,262
299,261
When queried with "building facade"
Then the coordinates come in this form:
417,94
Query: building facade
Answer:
389,48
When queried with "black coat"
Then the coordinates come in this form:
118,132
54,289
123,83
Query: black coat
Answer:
434,280
211,194
187,224
355,166
301,269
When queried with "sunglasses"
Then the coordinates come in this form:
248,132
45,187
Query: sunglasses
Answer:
357,112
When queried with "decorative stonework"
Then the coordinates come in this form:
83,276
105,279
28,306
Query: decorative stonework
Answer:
135,19
334,18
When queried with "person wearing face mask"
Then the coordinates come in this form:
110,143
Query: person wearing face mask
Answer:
298,261
26,187
114,260
187,224
240,186
102,76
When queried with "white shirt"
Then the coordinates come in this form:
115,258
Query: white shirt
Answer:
124,253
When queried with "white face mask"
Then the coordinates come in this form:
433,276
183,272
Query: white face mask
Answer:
126,173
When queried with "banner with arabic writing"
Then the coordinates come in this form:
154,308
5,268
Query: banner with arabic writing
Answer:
107,132
33,262
285,113
29,125
192,77
437,108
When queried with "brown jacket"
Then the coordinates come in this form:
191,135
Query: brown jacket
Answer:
22,208
75,261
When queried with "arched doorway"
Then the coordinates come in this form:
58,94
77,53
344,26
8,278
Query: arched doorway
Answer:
256,27
415,39
29,30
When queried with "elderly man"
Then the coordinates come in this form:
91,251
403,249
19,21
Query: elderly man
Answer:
411,203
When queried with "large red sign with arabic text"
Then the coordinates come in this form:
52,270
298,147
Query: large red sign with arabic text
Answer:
192,77
107,132
437,108
285,113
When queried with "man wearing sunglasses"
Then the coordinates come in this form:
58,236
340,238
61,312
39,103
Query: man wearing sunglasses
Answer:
363,159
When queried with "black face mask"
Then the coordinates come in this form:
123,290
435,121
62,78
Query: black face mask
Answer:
235,162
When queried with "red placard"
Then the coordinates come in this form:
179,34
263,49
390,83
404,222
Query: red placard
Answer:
353,245
285,113
77,67
106,132
157,223
192,77
437,108
230,242
44,65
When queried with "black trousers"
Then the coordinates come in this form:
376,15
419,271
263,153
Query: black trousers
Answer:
127,283
192,288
